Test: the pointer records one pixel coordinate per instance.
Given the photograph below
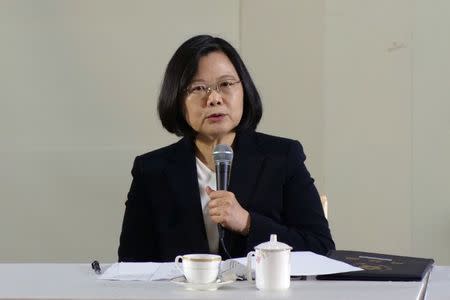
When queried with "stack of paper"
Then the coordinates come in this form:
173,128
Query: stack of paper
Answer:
302,264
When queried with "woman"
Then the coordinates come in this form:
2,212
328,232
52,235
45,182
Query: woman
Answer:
209,98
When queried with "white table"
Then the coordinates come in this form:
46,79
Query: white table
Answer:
438,284
78,281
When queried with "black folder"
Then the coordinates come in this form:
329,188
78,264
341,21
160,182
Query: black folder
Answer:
379,267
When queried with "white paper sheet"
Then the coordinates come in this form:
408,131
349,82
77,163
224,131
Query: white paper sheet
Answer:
302,264
141,271
307,263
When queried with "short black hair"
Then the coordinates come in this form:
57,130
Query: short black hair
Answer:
180,70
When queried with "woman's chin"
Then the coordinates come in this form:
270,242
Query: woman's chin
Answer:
215,134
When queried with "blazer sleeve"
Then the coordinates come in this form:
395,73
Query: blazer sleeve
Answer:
303,224
135,245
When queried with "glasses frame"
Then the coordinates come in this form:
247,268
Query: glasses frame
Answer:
212,87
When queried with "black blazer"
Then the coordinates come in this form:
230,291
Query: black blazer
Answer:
163,215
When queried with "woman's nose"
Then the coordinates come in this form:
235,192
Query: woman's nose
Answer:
214,98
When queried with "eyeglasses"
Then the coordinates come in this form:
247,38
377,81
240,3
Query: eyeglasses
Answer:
224,87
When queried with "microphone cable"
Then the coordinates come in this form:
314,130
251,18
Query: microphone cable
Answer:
222,242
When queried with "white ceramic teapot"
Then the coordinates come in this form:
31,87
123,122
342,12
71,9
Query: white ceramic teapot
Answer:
273,265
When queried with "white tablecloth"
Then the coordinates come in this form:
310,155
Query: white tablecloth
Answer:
78,281
438,284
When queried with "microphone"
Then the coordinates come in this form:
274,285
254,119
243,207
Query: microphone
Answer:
223,157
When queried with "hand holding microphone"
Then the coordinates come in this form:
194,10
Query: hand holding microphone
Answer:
223,207
225,210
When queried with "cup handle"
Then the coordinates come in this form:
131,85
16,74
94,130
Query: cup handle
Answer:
177,263
249,265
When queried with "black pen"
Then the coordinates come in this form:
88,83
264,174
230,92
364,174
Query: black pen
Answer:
298,277
96,266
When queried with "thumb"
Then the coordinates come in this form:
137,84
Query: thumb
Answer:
209,190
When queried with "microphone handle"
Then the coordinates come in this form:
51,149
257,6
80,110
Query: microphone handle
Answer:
223,171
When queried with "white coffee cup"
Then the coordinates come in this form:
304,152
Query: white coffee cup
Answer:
199,268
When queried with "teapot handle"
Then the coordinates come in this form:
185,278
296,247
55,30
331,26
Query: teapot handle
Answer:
177,263
249,265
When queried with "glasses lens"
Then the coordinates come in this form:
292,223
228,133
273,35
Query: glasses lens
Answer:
225,87
198,89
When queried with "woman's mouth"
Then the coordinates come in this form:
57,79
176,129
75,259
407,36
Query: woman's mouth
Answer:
216,117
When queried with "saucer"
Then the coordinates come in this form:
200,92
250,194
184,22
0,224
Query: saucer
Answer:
200,286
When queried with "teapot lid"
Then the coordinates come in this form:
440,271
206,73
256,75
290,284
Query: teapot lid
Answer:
273,245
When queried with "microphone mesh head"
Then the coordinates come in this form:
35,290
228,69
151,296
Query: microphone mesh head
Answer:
222,153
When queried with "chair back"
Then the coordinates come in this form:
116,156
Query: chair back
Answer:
324,200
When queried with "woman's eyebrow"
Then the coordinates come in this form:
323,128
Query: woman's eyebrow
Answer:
227,76
222,77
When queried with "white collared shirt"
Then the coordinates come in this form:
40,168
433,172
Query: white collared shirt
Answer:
206,177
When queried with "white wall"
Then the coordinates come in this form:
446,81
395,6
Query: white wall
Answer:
387,128
431,128
367,100
362,84
282,42
78,88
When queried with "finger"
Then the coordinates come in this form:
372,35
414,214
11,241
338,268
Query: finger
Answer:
217,202
219,194
214,212
221,203
213,203
217,220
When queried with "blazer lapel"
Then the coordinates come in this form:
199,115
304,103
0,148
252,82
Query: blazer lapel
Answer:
181,173
247,166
